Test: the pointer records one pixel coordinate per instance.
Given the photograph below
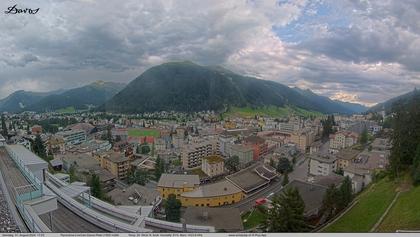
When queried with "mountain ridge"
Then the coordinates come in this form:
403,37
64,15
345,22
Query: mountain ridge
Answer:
187,87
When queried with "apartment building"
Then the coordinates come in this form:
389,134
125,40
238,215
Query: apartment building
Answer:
192,154
322,164
244,153
224,141
341,140
303,138
258,145
116,163
213,165
73,137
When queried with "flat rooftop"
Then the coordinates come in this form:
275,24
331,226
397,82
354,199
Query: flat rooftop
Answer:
144,195
227,219
178,180
247,179
214,159
312,195
26,156
221,188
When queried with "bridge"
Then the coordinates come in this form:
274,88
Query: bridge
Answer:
48,204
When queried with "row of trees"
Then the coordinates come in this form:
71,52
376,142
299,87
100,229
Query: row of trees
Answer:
405,152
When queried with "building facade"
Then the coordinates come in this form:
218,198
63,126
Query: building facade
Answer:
177,184
73,137
213,165
322,165
213,195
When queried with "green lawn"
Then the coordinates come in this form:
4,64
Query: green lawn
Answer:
372,204
253,220
67,110
272,111
405,214
135,132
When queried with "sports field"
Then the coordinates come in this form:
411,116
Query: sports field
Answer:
140,132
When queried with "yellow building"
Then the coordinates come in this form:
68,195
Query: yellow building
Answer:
116,163
213,195
303,139
213,165
177,184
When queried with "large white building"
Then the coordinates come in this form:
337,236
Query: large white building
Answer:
73,137
341,140
322,165
193,154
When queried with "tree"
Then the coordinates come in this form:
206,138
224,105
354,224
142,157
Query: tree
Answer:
416,166
345,193
3,127
38,147
285,179
144,148
109,135
96,188
286,215
232,163
329,202
172,208
405,135
340,171
138,176
272,163
159,168
364,137
327,125
72,173
284,166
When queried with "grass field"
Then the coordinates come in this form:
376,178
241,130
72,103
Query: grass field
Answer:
272,111
252,218
136,132
372,204
67,110
405,214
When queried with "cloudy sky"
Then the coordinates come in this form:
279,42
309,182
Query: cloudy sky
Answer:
358,51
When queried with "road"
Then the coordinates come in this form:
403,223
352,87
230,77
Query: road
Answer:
299,172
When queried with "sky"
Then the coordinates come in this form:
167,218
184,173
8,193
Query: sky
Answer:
355,51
